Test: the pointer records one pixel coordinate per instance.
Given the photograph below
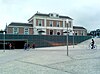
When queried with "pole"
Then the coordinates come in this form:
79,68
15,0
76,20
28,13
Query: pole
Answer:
73,39
67,44
67,39
4,42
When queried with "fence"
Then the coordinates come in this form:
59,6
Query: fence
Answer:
44,40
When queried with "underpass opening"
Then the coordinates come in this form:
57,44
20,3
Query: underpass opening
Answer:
16,44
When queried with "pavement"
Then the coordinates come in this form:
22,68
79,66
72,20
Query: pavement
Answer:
52,60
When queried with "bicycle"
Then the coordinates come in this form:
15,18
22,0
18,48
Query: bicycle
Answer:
94,47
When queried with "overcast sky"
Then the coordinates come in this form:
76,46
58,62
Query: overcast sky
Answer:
85,13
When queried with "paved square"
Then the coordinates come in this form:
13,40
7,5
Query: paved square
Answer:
52,60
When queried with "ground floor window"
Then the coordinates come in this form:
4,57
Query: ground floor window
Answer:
58,33
75,33
51,32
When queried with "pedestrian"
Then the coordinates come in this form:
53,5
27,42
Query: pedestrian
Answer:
92,44
33,46
25,46
10,46
28,47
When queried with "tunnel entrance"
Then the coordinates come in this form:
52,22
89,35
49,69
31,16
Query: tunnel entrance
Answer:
18,44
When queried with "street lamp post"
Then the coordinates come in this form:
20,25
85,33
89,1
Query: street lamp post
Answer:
67,40
3,32
4,41
73,39
67,36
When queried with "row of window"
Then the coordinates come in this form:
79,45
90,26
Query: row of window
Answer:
26,31
58,24
51,32
54,15
79,33
16,30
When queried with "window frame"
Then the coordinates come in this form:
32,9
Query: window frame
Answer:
39,22
26,32
51,23
70,24
15,30
57,24
51,31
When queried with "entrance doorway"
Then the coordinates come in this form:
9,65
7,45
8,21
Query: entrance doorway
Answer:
51,32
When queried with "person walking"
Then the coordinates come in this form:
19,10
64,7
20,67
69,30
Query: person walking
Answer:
28,47
25,46
10,46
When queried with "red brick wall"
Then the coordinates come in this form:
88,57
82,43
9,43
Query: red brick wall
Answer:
21,30
47,22
61,23
43,22
55,23
47,31
31,31
55,31
10,30
61,32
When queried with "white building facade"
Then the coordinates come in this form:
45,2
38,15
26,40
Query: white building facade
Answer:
51,24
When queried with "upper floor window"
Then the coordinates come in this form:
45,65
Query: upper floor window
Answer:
26,31
51,23
58,24
70,23
39,22
15,30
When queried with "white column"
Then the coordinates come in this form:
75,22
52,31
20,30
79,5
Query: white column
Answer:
34,27
63,23
64,27
34,23
45,22
45,25
72,24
